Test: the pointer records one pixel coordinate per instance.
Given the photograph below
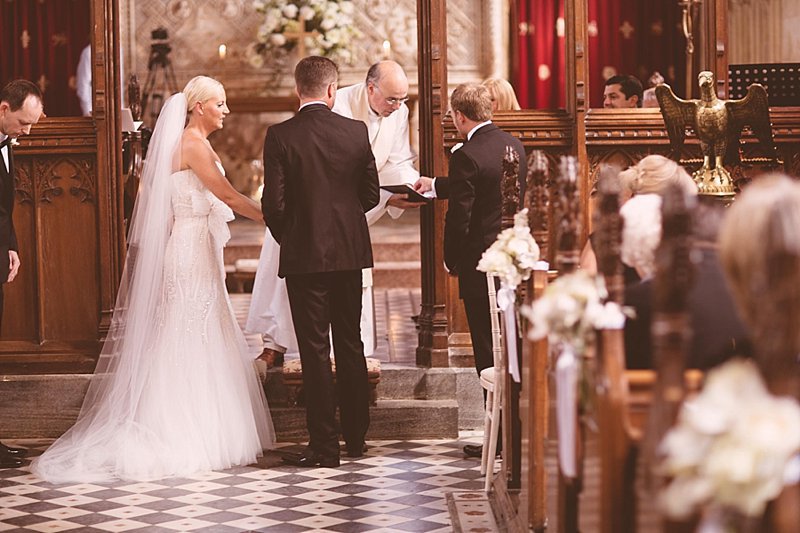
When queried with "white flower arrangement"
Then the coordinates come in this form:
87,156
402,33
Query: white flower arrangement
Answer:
513,255
732,446
570,309
329,21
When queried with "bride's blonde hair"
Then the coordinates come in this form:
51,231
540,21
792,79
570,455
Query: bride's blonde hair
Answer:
200,89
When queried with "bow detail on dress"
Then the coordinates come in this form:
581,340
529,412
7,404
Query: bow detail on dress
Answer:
204,203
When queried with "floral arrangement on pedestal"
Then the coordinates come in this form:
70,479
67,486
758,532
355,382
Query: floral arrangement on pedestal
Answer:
732,450
513,255
312,27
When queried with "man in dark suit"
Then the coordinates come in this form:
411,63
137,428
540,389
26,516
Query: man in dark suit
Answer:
319,180
20,108
473,214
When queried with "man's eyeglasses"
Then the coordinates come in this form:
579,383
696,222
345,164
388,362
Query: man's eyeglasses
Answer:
393,101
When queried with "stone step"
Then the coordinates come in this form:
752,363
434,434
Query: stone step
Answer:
401,250
390,419
412,403
397,274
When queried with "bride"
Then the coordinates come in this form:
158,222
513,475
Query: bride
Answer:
174,391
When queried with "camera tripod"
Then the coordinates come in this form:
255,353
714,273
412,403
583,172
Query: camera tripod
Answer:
160,78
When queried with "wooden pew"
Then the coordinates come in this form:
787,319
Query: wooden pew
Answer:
626,399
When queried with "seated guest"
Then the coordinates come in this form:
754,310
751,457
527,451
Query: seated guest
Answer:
650,175
622,92
717,331
649,96
760,251
503,96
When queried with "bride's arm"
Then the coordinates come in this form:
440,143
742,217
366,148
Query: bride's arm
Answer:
202,161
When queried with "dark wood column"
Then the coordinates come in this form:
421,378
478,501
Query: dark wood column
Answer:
433,320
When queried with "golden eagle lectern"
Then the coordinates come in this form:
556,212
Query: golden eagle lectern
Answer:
718,125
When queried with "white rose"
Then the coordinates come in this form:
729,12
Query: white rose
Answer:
327,24
258,5
277,39
290,11
347,7
307,13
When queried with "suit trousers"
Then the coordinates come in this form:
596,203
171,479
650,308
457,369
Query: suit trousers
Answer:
322,303
480,330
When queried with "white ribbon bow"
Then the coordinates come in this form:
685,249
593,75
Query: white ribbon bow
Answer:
218,213
567,409
506,297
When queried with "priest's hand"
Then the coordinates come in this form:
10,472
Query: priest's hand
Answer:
424,184
401,201
13,265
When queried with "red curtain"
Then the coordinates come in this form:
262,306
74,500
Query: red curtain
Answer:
540,43
41,40
635,37
625,37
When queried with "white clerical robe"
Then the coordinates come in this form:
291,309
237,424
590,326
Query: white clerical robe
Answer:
269,308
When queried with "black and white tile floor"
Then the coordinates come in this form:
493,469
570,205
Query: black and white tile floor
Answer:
397,486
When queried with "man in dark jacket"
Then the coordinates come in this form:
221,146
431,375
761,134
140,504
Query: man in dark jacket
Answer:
320,179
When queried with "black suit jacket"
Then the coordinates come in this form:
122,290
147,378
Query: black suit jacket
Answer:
319,180
8,237
717,331
473,214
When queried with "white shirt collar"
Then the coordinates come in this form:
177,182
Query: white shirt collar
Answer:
313,102
476,128
3,137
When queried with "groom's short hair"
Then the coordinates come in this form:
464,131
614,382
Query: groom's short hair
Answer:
313,74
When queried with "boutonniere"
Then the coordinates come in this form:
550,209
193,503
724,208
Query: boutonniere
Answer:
13,141
456,147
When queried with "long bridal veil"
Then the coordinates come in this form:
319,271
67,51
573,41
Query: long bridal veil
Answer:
108,441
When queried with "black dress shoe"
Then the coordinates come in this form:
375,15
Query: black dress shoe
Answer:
473,450
10,450
356,451
9,461
476,450
311,459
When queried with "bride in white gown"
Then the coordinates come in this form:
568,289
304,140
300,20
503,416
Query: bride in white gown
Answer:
175,391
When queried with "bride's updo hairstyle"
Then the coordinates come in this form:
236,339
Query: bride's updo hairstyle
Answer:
200,89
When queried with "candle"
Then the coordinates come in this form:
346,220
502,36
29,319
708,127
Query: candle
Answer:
387,49
223,51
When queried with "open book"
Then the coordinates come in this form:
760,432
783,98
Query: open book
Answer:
412,195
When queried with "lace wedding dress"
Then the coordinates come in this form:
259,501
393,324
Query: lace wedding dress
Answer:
189,399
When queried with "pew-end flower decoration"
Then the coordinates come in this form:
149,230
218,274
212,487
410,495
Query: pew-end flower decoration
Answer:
733,447
513,255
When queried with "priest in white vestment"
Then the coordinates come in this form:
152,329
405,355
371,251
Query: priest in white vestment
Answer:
379,102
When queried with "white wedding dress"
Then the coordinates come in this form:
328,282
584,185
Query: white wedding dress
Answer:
191,400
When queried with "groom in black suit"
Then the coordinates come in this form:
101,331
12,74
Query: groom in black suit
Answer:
20,108
473,213
319,180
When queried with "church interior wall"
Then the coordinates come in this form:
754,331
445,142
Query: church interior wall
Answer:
477,48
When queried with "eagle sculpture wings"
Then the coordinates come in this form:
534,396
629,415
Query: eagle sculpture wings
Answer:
718,125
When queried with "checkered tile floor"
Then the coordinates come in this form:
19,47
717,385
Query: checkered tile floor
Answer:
397,486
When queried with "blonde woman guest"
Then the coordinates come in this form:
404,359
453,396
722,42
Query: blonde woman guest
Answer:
760,252
175,391
649,176
503,96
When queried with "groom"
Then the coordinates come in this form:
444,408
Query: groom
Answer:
319,180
